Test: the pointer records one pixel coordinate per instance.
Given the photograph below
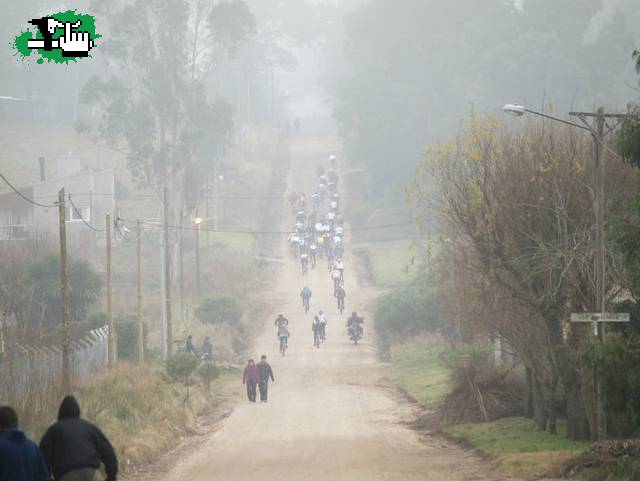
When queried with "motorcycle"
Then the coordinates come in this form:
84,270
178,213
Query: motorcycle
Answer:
356,333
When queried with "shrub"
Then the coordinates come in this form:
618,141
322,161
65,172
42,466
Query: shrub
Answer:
220,310
208,372
407,311
180,366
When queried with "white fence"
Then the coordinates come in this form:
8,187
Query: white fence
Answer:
27,367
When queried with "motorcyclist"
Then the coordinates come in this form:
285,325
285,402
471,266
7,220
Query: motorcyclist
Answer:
281,321
355,322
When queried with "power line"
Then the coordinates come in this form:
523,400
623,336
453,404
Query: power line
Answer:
247,232
82,218
223,197
24,196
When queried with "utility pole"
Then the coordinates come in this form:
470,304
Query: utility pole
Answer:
167,273
198,256
111,351
139,303
64,291
181,265
599,132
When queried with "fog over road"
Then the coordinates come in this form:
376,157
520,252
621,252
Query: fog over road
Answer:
329,416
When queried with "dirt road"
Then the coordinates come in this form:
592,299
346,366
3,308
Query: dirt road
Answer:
328,417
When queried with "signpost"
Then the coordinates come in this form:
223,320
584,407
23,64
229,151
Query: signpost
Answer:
596,318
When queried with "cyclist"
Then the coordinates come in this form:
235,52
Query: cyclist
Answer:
304,263
313,253
281,321
323,325
305,294
293,197
335,276
316,327
283,337
340,295
339,266
316,200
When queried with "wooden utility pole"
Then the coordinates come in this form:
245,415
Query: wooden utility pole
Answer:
64,291
112,330
181,266
599,132
139,304
167,273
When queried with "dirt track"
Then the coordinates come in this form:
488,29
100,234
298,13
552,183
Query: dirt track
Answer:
329,418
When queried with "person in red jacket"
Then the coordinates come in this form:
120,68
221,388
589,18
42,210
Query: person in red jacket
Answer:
250,378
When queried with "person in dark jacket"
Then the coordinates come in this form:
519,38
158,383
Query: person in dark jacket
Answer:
74,448
265,371
20,458
250,378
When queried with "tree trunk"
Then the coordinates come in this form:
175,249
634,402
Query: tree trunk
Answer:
553,425
528,400
577,421
540,413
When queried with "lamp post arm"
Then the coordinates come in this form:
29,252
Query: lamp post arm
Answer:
557,119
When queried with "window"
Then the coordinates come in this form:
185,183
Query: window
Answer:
73,215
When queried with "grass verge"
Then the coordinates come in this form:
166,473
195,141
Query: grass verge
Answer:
141,412
517,446
418,369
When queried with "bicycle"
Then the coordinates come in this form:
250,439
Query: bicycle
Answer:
305,304
316,338
283,344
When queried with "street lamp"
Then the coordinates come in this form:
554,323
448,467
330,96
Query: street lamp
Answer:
599,132
198,221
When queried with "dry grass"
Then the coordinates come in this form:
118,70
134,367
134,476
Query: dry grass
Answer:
139,410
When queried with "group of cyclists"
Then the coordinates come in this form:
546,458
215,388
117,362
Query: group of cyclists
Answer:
318,235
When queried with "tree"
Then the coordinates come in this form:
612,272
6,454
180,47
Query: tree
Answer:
85,285
518,202
220,310
154,97
408,87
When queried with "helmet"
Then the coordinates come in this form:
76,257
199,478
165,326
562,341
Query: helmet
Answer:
320,313
332,157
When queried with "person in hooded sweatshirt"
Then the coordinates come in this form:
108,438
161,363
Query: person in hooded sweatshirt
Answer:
20,458
74,448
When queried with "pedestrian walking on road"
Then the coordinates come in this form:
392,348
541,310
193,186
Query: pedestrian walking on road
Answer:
251,378
20,458
74,448
266,373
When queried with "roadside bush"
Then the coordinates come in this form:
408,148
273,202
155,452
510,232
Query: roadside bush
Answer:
616,360
208,372
220,310
180,366
407,311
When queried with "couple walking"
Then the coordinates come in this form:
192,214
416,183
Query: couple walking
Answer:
257,375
